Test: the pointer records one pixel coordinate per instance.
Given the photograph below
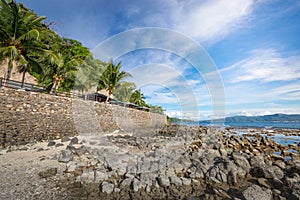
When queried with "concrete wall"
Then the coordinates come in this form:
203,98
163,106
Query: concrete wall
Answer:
29,117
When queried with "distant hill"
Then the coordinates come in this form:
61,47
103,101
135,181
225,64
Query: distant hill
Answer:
265,118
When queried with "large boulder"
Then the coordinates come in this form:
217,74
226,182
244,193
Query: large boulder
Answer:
255,192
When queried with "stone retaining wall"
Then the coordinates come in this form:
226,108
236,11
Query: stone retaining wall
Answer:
30,117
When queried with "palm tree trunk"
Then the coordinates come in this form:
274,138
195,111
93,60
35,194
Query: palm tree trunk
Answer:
53,89
23,79
107,98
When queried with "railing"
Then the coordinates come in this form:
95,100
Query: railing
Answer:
29,87
35,88
19,85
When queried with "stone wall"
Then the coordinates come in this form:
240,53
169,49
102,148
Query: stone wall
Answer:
30,117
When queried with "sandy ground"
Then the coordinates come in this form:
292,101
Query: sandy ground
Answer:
19,170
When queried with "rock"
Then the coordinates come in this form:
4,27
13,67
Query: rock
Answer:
59,145
257,161
257,172
255,192
107,187
51,143
163,181
48,173
101,176
175,180
136,185
296,190
231,178
81,150
23,148
263,182
241,161
88,176
186,181
279,164
71,148
71,167
126,182
74,140
65,156
65,139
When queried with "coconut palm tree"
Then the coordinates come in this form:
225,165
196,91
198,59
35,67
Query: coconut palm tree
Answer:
20,32
62,67
111,78
137,98
124,91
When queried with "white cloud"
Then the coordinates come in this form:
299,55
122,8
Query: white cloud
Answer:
265,65
210,20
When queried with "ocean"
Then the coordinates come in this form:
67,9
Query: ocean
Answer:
274,125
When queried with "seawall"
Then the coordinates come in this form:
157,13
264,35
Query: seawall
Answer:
28,117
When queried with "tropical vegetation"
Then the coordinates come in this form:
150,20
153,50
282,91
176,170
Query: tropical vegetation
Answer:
58,64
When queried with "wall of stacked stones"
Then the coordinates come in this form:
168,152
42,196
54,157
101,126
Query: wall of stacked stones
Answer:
27,117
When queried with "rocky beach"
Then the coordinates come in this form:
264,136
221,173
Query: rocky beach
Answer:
173,162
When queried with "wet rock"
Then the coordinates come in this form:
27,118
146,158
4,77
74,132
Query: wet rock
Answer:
59,145
107,187
48,173
255,192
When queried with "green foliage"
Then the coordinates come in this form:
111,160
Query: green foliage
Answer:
156,109
21,31
88,74
112,77
124,91
137,98
59,64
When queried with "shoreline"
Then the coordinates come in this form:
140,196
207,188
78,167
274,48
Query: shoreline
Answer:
175,161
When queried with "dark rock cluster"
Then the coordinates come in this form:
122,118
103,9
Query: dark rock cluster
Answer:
180,162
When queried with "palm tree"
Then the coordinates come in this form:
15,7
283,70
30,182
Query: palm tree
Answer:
62,67
20,31
111,78
124,91
137,98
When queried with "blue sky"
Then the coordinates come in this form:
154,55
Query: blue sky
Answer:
255,46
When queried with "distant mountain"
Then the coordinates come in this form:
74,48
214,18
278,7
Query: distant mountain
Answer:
265,118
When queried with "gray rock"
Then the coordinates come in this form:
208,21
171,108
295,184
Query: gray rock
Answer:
107,187
65,139
59,145
101,176
74,140
136,185
51,143
71,167
186,181
175,180
65,156
241,161
88,176
126,182
255,192
163,180
48,173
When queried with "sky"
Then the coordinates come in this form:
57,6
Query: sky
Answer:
248,60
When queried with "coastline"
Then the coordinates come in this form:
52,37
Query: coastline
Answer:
172,162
